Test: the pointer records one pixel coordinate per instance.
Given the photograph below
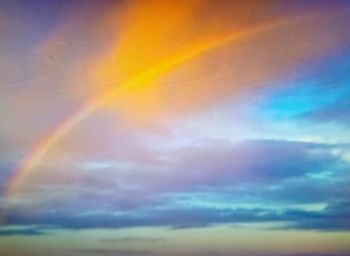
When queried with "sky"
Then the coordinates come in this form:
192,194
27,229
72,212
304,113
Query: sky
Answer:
163,128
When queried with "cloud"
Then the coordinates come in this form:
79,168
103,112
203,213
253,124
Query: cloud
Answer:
133,240
338,112
25,231
211,164
231,177
176,218
114,252
256,161
334,217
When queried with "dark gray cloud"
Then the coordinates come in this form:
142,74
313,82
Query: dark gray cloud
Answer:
304,190
22,232
133,239
96,251
333,217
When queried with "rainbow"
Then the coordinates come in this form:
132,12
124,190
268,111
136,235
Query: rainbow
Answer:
136,82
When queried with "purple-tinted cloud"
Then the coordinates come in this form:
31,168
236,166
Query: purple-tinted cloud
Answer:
265,171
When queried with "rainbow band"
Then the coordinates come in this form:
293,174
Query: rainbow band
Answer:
25,169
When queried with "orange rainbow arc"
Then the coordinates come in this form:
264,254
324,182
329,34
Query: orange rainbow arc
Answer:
136,82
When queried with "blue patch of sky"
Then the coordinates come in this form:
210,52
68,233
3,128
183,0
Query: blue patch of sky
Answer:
325,85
